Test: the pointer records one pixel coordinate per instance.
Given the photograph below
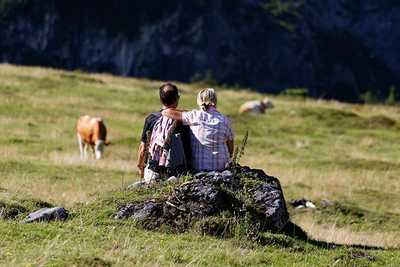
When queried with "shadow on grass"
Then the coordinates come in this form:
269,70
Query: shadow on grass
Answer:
294,231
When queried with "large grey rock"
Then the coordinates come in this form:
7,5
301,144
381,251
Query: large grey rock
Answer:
242,192
47,214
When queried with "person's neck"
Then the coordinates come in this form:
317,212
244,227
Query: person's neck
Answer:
167,107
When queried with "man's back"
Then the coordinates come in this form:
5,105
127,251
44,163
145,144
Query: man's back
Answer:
169,98
182,130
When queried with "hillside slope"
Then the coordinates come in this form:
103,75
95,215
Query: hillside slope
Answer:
320,150
336,48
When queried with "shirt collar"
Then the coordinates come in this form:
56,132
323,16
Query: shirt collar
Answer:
212,109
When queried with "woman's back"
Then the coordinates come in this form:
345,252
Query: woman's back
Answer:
210,131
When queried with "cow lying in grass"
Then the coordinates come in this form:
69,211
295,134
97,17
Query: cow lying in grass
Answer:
91,132
256,106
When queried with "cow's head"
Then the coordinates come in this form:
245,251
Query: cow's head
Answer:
267,103
99,148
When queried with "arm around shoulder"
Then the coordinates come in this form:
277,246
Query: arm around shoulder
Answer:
172,114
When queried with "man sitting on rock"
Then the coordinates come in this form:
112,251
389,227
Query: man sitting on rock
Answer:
164,141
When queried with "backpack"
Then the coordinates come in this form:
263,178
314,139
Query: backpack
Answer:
166,148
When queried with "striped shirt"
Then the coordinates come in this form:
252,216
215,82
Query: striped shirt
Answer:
209,132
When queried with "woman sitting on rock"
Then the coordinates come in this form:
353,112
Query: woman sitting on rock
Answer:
211,132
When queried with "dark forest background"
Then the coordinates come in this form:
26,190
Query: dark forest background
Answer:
335,49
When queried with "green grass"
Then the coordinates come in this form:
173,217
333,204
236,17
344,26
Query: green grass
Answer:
319,150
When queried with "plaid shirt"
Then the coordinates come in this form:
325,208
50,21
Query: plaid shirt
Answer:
209,132
159,137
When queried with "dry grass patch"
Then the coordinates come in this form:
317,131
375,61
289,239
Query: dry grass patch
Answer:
346,236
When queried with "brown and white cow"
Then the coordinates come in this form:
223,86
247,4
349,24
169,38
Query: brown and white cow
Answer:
91,132
256,106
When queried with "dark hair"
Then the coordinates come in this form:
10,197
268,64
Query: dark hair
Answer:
168,94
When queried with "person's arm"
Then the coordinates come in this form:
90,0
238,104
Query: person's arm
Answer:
142,146
231,146
172,114
140,159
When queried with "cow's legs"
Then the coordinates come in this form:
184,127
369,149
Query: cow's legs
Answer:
98,148
93,152
82,147
85,151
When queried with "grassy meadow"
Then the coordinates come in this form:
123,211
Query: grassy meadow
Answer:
328,152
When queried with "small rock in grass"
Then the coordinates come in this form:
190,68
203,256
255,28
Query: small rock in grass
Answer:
302,203
47,214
